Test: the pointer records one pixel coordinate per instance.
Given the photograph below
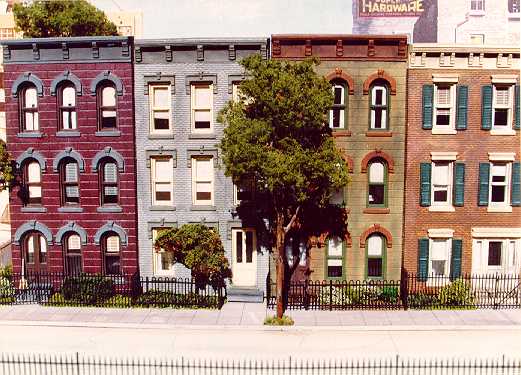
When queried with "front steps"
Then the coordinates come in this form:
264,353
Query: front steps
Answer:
244,294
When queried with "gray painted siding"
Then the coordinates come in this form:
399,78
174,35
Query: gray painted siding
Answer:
223,187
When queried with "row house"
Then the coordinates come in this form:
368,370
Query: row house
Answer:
70,129
367,120
463,184
180,87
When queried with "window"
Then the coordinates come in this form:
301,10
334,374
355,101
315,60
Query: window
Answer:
244,245
202,103
499,184
72,249
376,196
477,38
162,181
335,258
109,182
107,107
67,107
160,109
441,189
496,255
111,251
295,247
514,6
202,181
35,252
163,260
29,110
33,183
244,192
69,183
375,251
477,6
439,255
444,107
337,114
337,197
379,107
503,107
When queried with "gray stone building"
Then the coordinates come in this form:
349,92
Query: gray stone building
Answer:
180,87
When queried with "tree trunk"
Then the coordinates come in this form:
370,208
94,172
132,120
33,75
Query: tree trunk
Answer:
281,255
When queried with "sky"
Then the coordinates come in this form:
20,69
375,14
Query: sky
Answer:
232,18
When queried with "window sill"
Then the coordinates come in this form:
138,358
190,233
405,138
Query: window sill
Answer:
477,13
515,16
68,133
160,136
34,209
109,209
502,132
505,209
196,207
70,209
201,136
441,209
161,208
29,135
376,210
444,131
341,133
107,133
378,133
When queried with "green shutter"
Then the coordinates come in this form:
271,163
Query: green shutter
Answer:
455,261
461,114
425,184
459,184
516,106
484,175
486,107
427,100
516,184
423,259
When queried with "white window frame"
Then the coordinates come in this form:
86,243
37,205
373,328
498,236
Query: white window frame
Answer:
436,279
445,129
510,107
510,256
195,201
505,205
151,93
154,180
385,104
342,118
194,108
477,11
474,37
448,204
156,255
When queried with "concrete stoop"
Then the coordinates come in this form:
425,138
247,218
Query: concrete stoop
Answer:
244,294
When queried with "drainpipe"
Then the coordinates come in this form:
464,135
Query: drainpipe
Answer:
458,25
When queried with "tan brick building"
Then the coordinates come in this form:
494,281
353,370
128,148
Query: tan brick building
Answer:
368,76
463,188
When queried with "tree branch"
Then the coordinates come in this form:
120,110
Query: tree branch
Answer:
292,221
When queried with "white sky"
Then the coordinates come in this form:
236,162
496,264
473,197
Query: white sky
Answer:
236,18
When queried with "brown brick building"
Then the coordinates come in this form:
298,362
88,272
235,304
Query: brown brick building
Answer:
368,77
462,194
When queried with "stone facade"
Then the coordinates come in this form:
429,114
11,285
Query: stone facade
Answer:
467,221
181,65
360,62
43,204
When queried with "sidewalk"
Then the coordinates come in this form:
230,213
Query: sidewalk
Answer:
253,314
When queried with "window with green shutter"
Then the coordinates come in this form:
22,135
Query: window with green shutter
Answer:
461,114
516,184
459,184
425,184
423,259
427,101
486,107
455,262
484,175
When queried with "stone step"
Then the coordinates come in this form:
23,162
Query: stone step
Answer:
238,294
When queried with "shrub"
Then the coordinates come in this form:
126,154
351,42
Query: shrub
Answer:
274,321
335,295
7,292
155,298
457,293
118,301
57,299
6,272
88,289
422,300
389,294
159,298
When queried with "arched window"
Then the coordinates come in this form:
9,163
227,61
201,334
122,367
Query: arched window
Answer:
377,184
32,180
34,253
109,182
29,109
379,106
375,256
70,186
107,106
67,107
338,113
111,253
72,251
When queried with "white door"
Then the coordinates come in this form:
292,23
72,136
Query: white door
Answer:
244,254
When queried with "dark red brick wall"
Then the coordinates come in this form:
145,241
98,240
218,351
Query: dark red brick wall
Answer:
87,145
472,145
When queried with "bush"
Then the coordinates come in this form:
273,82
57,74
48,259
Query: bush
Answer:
7,291
421,300
274,321
57,299
457,293
159,298
118,301
6,272
358,295
155,298
88,289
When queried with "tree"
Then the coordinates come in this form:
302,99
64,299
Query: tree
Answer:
6,167
278,139
198,248
58,18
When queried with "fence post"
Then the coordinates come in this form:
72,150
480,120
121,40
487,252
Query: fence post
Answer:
330,295
306,294
268,290
404,288
78,363
495,291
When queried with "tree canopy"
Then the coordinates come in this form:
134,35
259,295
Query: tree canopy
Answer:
58,18
278,138
6,167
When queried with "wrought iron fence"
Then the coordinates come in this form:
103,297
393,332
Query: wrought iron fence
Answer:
58,289
76,364
414,291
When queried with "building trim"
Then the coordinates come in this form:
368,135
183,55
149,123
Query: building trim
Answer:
68,153
338,73
380,74
440,233
504,78
445,78
66,76
71,226
162,223
110,226
502,232
30,226
106,75
376,228
377,154
111,153
24,78
443,155
501,156
30,153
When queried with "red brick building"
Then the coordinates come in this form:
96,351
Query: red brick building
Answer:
70,129
463,188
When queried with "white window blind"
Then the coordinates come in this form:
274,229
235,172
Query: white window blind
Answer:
376,172
110,172
440,174
443,96
68,97
73,242
374,245
334,247
112,244
33,172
